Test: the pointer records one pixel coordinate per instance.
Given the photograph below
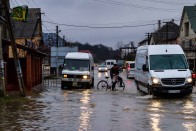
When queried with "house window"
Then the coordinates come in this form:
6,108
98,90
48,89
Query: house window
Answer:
186,29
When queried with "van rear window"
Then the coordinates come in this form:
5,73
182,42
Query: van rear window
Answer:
132,65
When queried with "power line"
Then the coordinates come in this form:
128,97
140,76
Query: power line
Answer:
29,3
98,27
13,3
46,28
34,3
22,2
135,6
165,2
16,2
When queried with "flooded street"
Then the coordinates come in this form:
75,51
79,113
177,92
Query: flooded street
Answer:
50,108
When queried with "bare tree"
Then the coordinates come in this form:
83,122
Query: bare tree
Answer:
119,45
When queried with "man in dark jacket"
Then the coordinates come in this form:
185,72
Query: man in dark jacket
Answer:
114,71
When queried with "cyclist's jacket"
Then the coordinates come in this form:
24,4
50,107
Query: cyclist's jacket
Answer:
114,71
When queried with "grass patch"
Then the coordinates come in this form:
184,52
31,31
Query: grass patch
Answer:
14,99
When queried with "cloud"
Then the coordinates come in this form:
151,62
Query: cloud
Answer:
108,13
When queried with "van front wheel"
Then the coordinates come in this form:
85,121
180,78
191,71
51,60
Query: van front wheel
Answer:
62,85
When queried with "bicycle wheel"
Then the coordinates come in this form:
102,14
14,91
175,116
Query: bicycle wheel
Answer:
102,85
120,87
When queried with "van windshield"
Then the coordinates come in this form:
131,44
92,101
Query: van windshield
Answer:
73,64
167,62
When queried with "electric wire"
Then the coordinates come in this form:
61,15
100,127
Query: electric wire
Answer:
16,2
168,3
12,3
97,27
135,6
46,28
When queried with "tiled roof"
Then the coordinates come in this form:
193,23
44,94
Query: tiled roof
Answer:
26,29
171,29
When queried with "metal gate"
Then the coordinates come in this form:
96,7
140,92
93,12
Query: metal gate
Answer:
50,79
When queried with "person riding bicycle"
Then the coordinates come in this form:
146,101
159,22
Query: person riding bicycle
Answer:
114,71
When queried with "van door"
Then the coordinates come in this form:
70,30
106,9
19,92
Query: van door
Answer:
146,75
142,76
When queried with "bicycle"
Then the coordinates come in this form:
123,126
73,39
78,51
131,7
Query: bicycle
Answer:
103,85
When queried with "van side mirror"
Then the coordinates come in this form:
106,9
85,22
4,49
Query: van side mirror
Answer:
92,68
144,68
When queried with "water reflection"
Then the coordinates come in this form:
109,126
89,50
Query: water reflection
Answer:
102,74
85,112
155,117
189,126
155,122
189,109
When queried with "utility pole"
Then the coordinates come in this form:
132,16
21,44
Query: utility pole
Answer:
149,35
57,35
57,46
63,40
2,76
14,49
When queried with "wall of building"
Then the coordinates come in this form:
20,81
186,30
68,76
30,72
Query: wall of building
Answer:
192,34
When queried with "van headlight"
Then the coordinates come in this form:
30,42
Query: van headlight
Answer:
85,77
155,80
189,79
65,76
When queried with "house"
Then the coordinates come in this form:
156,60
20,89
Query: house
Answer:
187,37
167,34
28,38
143,42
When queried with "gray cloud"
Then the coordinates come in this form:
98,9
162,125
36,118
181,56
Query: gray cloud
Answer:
107,13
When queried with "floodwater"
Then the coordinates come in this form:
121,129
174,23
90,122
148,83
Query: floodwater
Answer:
52,109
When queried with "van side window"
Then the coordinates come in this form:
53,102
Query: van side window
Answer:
147,62
141,59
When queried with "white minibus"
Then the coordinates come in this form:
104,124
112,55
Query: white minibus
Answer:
78,70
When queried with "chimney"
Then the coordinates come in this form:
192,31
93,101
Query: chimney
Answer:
159,24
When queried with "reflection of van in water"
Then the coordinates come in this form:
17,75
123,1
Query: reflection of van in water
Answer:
110,63
162,69
78,70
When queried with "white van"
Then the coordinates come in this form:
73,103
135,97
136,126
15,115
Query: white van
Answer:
162,69
130,69
110,63
78,70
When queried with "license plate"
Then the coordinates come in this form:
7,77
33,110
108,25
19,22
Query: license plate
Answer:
74,84
174,91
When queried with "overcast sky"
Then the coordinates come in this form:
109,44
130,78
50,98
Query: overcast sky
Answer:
105,21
